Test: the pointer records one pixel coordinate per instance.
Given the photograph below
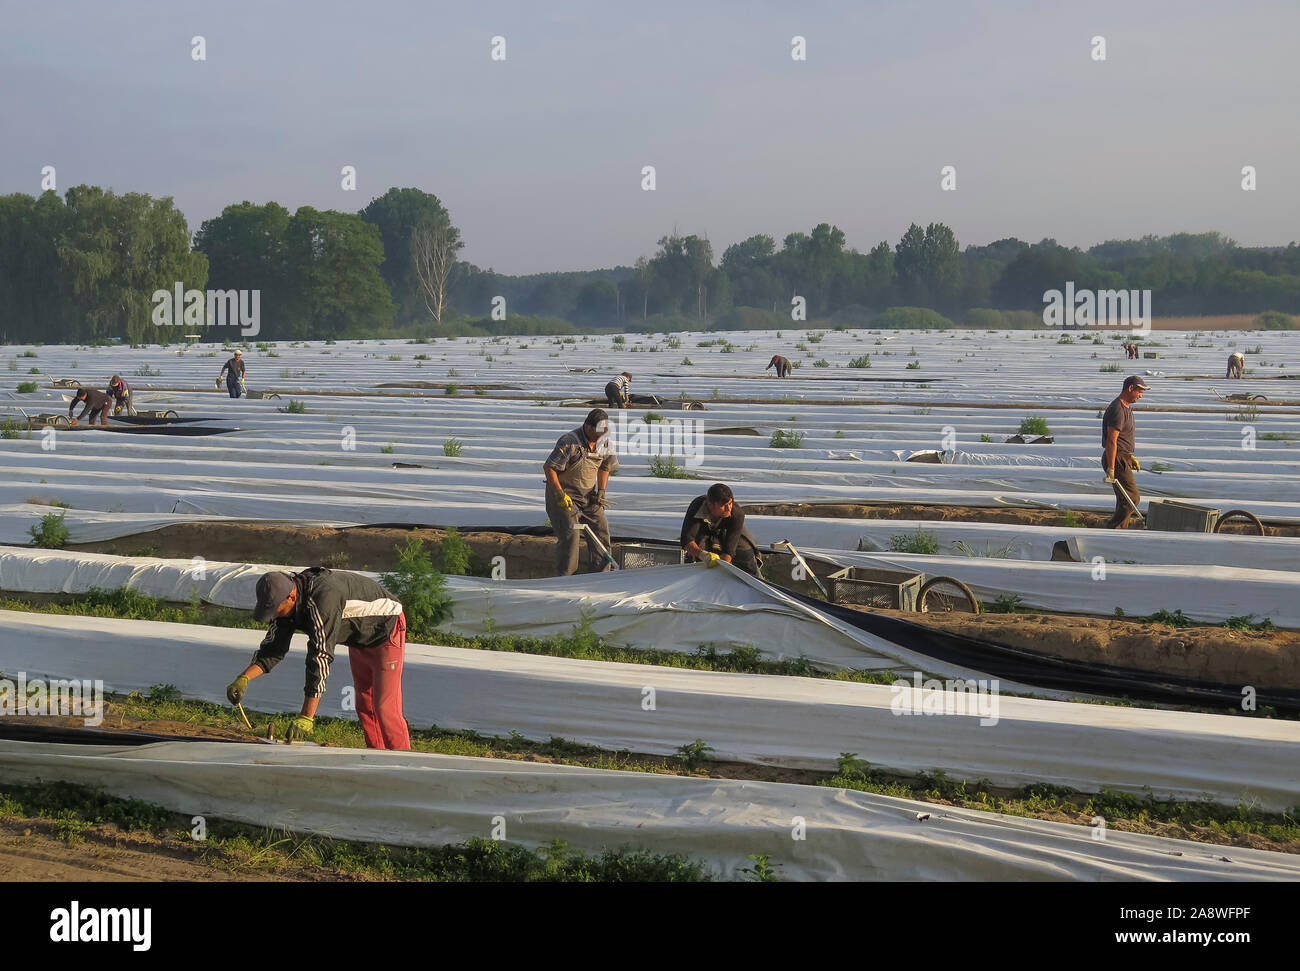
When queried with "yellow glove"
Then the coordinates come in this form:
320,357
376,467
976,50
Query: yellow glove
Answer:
1136,466
566,501
236,689
712,559
299,728
1110,476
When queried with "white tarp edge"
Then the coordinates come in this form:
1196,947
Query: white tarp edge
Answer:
429,800
762,719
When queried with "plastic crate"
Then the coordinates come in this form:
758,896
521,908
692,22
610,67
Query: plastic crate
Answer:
1181,517
637,556
859,586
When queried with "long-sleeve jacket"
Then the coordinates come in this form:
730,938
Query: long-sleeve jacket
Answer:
333,608
94,400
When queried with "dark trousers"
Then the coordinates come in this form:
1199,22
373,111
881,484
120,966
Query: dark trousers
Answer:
614,396
1123,479
236,387
566,524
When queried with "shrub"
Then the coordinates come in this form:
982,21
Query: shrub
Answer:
1110,368
10,429
145,371
50,533
27,354
783,439
911,318
295,408
421,589
27,387
653,416
914,366
456,553
1275,320
452,388
822,363
452,446
920,541
1034,425
860,362
387,449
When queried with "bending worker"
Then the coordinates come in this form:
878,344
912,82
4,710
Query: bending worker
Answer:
1236,365
616,390
333,607
120,392
233,372
781,364
714,528
577,472
1117,434
96,404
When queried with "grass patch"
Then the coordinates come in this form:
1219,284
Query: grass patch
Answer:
452,447
451,389
861,362
921,541
26,387
667,468
1248,622
1034,425
783,439
294,408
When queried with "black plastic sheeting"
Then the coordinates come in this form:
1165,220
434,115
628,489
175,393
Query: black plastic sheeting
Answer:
142,420
184,431
1028,667
14,730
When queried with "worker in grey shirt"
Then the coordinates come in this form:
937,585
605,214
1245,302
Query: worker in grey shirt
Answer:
1117,443
577,472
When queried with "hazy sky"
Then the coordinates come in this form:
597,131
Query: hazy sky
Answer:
539,157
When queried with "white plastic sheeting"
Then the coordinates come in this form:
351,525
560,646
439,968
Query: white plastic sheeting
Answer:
429,800
665,608
1206,593
795,722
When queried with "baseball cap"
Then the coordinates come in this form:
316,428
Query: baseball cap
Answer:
1132,380
272,590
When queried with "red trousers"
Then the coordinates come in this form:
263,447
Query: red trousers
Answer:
377,677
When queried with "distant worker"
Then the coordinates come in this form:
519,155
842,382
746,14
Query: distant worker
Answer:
96,403
577,472
1117,440
120,392
781,364
1236,365
714,529
616,390
233,372
333,607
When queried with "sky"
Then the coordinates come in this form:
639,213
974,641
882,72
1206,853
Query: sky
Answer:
539,157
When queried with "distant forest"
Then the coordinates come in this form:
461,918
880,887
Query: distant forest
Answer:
84,268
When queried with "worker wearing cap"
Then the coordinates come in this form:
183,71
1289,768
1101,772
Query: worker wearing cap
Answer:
1117,434
781,364
616,391
1236,365
577,472
334,607
120,392
714,529
96,403
233,372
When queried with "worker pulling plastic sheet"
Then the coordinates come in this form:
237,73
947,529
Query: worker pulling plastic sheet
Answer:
96,403
714,529
616,391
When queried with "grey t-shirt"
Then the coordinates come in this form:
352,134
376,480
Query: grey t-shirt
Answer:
576,465
1119,415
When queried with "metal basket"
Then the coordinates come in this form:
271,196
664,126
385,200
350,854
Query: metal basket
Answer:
637,556
860,586
1181,517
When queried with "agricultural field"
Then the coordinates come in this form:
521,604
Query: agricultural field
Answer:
834,719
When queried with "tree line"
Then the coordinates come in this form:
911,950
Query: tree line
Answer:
84,268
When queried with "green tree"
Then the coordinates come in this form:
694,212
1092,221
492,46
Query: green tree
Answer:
334,259
397,214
